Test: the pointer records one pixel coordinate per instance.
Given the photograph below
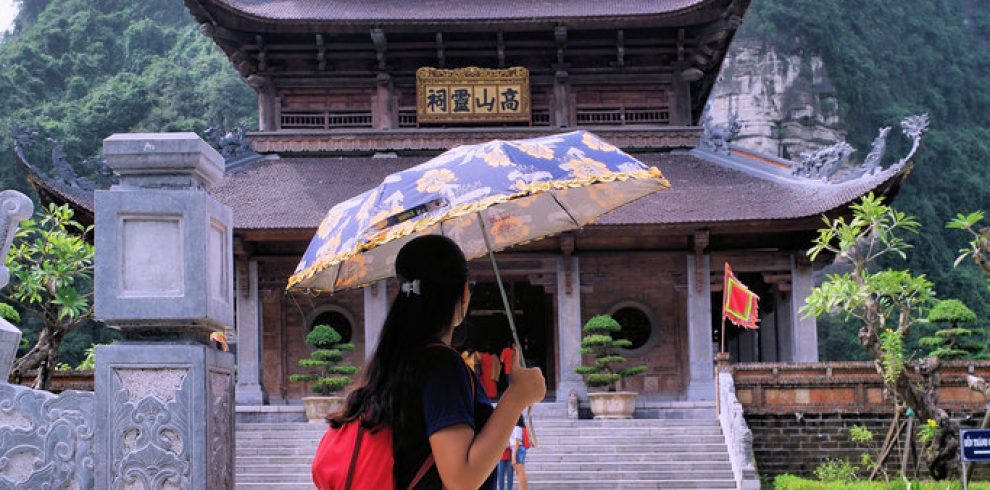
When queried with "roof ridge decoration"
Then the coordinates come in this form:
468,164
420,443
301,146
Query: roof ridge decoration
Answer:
65,172
831,164
717,137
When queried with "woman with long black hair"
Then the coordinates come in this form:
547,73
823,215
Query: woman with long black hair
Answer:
420,387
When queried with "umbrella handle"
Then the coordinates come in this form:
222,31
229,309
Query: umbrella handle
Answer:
501,289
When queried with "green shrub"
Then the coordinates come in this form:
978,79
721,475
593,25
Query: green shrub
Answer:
8,313
598,341
837,470
329,351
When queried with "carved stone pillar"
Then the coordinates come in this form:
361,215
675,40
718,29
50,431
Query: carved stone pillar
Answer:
14,208
249,366
164,404
569,328
375,310
701,383
804,337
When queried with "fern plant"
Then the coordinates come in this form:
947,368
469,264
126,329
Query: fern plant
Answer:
333,376
598,342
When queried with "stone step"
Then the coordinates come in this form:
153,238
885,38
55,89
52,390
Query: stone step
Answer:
539,476
544,441
539,457
633,484
542,432
545,467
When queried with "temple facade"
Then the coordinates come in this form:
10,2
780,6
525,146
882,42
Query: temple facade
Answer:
351,91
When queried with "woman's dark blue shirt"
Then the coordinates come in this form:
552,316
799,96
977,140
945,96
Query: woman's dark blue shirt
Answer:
451,395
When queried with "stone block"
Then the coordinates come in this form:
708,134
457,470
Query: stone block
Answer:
163,160
10,339
166,416
46,441
163,259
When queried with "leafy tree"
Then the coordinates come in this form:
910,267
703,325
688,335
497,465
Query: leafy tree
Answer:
598,342
952,342
887,304
51,269
333,377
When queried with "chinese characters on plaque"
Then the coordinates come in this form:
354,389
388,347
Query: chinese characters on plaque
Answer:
472,95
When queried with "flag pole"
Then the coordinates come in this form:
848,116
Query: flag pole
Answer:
723,332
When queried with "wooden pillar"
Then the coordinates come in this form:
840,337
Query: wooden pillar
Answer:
268,109
384,112
680,101
562,100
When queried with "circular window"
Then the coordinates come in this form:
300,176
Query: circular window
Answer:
637,327
337,320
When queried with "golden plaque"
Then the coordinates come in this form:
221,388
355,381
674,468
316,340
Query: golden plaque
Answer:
472,94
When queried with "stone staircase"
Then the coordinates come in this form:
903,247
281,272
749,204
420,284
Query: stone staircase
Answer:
683,449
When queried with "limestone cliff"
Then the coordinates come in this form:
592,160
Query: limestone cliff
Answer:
785,102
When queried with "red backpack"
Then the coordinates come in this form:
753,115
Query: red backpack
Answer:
367,454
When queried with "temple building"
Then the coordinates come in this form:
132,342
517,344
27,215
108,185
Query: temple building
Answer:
352,90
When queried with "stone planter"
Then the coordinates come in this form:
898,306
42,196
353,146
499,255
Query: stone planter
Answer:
318,407
613,405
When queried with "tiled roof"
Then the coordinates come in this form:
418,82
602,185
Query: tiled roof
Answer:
296,192
432,10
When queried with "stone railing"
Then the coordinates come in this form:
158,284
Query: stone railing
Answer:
738,437
842,387
161,414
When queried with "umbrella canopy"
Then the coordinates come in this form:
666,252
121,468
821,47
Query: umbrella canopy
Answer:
500,193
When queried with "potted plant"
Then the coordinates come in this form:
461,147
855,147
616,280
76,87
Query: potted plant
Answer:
332,378
598,341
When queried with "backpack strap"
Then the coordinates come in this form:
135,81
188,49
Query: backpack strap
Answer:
354,457
423,470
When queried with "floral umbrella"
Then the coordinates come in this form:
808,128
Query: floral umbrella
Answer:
485,197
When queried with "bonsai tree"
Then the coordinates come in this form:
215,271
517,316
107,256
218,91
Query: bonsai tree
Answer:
953,341
333,377
598,342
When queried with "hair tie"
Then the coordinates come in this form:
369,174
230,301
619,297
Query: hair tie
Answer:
410,287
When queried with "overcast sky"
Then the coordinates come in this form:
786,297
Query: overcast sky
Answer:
7,13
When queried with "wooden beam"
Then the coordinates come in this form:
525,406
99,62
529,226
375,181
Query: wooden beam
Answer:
441,59
321,53
381,46
620,48
262,52
560,39
500,48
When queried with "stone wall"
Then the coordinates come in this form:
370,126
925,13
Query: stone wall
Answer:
657,282
284,320
800,414
785,103
797,443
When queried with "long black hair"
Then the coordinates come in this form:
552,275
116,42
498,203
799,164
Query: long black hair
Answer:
388,393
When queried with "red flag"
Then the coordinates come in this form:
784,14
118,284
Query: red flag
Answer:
739,304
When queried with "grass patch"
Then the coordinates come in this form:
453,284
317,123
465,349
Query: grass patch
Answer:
791,482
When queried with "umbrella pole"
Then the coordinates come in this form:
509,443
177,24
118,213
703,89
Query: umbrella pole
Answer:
501,289
508,314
